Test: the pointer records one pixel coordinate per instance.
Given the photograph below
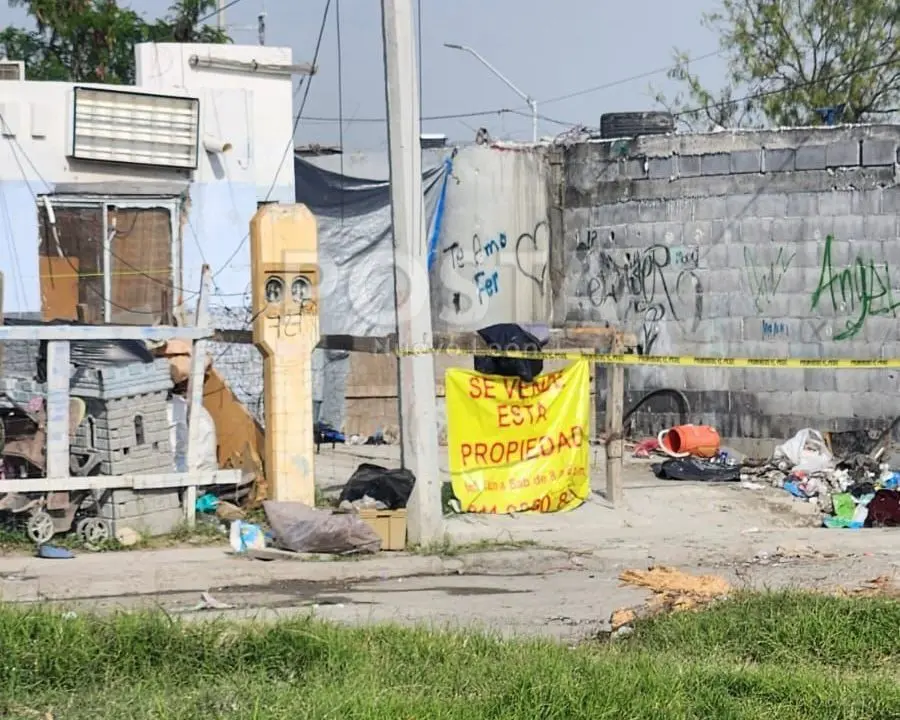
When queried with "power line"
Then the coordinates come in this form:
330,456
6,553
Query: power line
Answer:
290,144
788,88
623,81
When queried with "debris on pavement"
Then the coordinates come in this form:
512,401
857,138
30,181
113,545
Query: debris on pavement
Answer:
300,528
673,591
208,602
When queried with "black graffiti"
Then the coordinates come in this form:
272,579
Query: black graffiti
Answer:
456,255
641,283
530,242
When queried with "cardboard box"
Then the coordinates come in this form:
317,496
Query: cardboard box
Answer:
390,525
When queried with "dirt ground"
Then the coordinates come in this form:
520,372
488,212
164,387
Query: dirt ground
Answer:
565,586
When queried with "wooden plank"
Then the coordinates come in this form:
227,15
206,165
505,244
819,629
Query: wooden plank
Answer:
158,481
195,395
59,287
615,410
84,333
58,375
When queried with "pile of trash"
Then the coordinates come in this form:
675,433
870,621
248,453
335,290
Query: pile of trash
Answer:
854,491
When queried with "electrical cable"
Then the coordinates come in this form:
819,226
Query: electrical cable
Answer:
290,144
789,88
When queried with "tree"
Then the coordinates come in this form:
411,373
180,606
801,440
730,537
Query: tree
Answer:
789,60
93,40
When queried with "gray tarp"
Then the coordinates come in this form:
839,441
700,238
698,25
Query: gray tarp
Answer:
355,246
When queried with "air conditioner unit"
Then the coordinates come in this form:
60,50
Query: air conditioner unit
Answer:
12,70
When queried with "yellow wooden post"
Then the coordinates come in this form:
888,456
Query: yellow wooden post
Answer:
284,266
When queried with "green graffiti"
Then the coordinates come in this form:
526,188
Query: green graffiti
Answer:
861,289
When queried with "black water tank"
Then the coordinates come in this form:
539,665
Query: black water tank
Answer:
632,124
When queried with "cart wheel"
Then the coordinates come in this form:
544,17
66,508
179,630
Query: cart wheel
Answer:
40,527
94,532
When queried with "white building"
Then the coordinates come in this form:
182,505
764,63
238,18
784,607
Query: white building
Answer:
144,184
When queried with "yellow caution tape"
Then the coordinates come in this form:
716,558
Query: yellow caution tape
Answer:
670,360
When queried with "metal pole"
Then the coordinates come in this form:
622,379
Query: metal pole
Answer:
532,103
415,387
220,14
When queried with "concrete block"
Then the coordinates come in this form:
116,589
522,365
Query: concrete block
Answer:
154,524
697,233
833,404
842,154
746,161
867,404
851,228
688,165
633,169
661,168
741,205
768,205
667,233
866,202
725,231
651,211
710,208
878,152
777,402
680,209
757,231
787,231
802,204
779,160
882,381
715,164
820,379
891,200
836,202
811,157
881,227
850,381
818,228
806,351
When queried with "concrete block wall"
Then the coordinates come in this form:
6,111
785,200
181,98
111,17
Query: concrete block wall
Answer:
748,244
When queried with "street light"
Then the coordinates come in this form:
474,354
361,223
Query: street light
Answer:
532,103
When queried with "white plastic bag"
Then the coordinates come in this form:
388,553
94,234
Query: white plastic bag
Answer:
806,451
178,436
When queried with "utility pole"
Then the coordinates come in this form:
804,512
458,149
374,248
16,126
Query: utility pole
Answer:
418,414
220,15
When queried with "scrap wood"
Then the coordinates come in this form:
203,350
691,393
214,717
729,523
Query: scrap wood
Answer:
881,586
673,591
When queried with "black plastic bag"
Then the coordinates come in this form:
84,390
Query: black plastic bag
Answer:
692,469
506,336
392,487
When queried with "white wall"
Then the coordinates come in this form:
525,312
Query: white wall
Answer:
251,111
256,105
495,240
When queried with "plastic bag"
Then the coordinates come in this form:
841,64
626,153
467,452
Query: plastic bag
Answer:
178,437
391,487
806,451
244,536
301,528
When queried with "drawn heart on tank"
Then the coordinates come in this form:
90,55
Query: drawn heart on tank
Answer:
530,244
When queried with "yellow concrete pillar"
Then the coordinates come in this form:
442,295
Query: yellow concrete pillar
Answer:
284,267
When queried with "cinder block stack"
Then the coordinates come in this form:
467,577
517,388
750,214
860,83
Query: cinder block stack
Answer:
127,423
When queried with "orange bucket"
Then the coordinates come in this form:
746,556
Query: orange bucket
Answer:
683,440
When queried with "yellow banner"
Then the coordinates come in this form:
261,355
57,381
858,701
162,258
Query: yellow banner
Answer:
517,446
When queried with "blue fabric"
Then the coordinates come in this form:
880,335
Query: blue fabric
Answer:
435,236
52,552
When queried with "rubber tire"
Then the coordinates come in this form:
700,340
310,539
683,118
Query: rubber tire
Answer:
632,124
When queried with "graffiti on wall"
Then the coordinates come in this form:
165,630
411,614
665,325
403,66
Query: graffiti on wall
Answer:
856,292
764,277
645,287
480,264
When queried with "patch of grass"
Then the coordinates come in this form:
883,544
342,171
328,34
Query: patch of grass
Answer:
683,666
446,547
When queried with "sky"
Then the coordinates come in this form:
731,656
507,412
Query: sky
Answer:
547,49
